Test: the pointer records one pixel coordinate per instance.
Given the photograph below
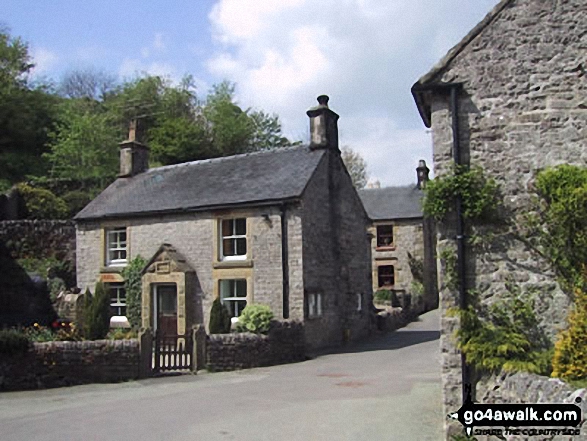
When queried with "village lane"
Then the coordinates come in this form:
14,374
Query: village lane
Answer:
384,389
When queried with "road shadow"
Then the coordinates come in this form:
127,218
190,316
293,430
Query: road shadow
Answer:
390,341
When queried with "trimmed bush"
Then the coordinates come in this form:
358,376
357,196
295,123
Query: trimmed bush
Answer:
41,203
97,319
219,318
255,318
13,342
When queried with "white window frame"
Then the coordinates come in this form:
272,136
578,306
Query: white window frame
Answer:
232,300
314,305
115,245
233,237
117,300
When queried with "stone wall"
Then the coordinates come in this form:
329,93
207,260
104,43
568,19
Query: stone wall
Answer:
521,388
57,364
39,238
523,108
283,344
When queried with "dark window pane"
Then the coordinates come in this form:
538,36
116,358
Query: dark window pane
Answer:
241,227
227,227
241,247
386,275
384,235
228,247
241,288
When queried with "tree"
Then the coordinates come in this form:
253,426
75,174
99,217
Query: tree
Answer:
219,318
83,145
89,83
355,165
26,113
97,314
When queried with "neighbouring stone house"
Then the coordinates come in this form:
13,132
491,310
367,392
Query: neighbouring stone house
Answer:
511,97
402,240
284,228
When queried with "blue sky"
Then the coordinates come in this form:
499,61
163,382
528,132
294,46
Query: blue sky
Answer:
364,54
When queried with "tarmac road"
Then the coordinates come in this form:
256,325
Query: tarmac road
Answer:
385,389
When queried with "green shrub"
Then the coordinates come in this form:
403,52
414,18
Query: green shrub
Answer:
219,318
122,334
76,200
41,203
382,294
508,339
570,351
97,319
561,222
134,288
38,333
13,342
388,295
479,195
255,318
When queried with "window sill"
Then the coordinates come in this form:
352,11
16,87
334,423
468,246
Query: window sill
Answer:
386,248
233,264
112,269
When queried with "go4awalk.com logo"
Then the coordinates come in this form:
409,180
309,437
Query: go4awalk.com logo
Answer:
519,419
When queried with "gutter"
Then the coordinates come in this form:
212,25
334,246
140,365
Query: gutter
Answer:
453,90
461,238
114,216
284,260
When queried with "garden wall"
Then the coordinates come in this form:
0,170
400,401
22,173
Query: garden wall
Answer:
57,364
283,344
522,387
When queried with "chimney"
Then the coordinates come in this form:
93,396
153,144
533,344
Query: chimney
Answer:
134,155
422,172
323,126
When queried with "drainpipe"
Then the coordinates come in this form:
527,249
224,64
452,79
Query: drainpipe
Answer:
284,261
461,266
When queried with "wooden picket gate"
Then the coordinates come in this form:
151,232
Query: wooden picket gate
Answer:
172,352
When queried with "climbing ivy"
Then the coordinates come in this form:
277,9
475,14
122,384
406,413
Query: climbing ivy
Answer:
479,195
133,287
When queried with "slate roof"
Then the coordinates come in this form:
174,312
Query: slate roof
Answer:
259,177
392,202
419,88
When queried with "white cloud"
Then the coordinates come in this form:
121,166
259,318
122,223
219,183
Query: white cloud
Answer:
44,60
365,54
132,67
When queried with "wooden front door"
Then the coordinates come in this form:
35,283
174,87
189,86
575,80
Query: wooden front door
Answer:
165,309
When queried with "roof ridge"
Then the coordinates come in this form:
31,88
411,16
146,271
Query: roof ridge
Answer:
226,158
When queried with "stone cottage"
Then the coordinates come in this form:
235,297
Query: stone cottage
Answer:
284,228
402,240
511,97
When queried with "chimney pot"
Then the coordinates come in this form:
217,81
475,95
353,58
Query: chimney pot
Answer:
422,173
323,125
323,100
